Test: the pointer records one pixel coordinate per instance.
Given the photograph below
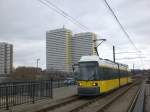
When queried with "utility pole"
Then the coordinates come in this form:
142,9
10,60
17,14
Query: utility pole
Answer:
133,68
114,55
37,65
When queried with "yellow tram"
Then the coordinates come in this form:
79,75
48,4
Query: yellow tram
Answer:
100,75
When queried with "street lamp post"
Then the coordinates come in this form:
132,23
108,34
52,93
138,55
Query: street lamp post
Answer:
114,54
37,64
102,40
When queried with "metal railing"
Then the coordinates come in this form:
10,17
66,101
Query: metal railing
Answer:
21,92
16,93
62,83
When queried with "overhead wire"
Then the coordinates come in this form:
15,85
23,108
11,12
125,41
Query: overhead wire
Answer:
121,26
125,32
63,13
129,58
83,27
125,52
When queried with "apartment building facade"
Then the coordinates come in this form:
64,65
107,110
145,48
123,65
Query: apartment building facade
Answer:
63,50
82,45
58,49
6,59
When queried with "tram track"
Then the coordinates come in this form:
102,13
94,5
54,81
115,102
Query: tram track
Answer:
60,103
113,104
80,104
102,103
133,101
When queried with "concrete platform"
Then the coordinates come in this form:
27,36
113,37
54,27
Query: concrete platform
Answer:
64,92
58,94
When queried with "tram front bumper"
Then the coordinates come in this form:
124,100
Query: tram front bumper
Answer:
88,91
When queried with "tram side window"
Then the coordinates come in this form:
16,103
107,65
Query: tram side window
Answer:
98,74
110,70
118,73
126,73
101,72
109,73
106,73
123,73
115,73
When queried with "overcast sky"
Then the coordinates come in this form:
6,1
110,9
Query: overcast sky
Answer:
24,24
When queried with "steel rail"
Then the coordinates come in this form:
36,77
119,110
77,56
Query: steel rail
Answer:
106,105
132,104
137,104
87,103
97,99
60,103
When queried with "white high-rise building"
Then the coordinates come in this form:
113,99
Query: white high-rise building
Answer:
58,49
6,59
82,45
63,50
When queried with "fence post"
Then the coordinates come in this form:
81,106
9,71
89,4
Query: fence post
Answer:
7,105
33,93
51,87
58,83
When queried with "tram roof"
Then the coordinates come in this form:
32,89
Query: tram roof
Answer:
103,62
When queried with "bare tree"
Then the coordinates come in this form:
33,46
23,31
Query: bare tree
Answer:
26,73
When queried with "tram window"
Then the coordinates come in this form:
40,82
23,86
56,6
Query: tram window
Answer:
101,72
110,73
88,71
121,73
106,73
116,73
113,75
126,73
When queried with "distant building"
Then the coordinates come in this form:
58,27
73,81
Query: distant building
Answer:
58,49
82,45
6,59
63,50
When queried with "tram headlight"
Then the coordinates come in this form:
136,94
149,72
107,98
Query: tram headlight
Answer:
79,84
94,84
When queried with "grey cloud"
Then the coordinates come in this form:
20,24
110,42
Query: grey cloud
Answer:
25,22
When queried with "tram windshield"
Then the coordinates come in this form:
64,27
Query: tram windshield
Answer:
88,70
